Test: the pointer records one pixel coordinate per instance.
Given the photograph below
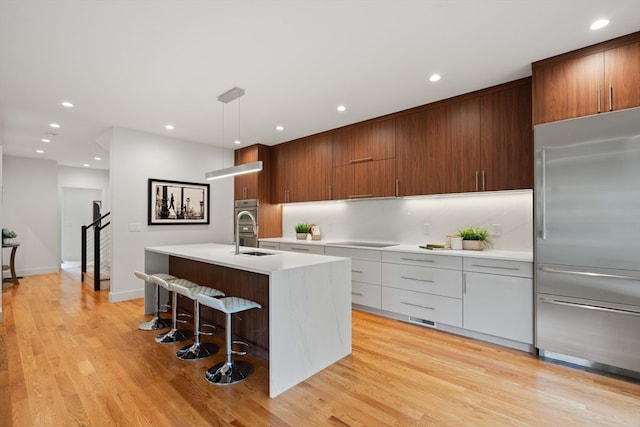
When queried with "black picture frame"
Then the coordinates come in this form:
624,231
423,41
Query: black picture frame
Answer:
177,202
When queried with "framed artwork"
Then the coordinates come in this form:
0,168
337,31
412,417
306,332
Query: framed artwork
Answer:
176,202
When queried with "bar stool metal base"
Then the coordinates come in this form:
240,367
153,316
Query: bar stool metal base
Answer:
155,324
226,374
197,351
174,336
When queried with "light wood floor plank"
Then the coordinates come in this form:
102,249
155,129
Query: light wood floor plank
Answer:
74,359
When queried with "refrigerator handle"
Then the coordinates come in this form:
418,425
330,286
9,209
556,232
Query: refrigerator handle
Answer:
590,274
543,193
589,307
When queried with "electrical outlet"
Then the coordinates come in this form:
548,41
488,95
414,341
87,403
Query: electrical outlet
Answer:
426,229
496,230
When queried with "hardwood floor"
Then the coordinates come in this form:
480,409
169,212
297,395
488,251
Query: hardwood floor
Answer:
69,357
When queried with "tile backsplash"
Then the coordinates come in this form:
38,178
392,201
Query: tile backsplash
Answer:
420,220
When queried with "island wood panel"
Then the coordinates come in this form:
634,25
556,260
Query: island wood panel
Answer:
463,145
420,150
506,137
622,71
251,325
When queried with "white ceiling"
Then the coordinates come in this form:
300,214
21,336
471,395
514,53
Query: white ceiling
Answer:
141,64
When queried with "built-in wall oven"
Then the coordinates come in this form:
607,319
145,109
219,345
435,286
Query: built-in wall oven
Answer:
247,232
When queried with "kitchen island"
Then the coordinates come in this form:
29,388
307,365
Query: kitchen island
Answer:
305,319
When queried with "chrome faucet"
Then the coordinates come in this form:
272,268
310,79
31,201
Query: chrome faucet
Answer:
238,228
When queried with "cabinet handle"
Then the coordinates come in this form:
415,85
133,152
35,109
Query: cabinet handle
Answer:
610,97
330,195
598,96
360,196
361,160
357,294
417,305
496,267
396,187
267,246
476,180
357,271
483,186
417,280
300,249
414,259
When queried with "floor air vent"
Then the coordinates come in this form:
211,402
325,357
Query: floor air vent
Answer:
422,322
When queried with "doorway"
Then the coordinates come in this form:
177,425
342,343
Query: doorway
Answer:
78,209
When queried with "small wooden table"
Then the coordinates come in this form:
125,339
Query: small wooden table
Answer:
12,265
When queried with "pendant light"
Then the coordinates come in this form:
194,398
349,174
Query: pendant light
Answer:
225,98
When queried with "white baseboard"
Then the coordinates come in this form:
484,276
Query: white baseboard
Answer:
32,271
126,296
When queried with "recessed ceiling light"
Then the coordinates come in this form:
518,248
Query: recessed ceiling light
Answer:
237,142
97,158
434,77
341,108
600,23
45,140
169,127
39,151
86,165
54,125
279,128
67,104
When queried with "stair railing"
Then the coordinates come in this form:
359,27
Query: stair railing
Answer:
97,228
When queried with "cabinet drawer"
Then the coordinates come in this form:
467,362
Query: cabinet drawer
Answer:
353,253
436,281
426,260
423,306
366,294
499,266
269,245
365,271
305,249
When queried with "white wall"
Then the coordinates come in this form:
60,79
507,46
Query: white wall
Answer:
30,208
134,158
403,220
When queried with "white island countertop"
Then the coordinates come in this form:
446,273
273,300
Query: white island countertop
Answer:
224,255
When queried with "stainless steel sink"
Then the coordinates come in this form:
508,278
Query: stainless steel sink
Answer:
365,244
255,253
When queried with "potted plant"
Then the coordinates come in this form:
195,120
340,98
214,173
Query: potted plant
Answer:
474,238
302,230
8,236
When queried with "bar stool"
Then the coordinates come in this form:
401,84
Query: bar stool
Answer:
174,335
198,350
157,322
230,371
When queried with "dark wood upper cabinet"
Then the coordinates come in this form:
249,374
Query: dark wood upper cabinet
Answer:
506,138
476,142
597,79
303,169
364,160
462,159
246,186
420,152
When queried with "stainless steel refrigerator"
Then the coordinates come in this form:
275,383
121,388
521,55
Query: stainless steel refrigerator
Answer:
587,239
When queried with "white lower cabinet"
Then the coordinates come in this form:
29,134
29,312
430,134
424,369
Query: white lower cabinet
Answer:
365,274
499,305
423,306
